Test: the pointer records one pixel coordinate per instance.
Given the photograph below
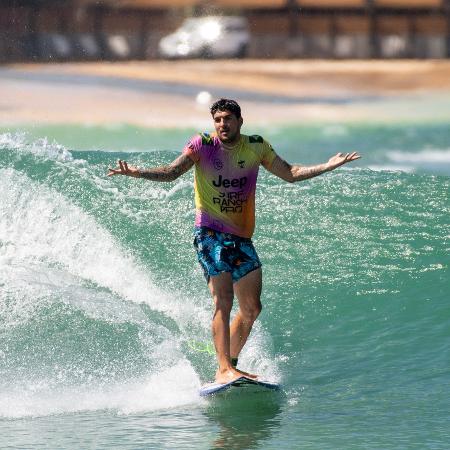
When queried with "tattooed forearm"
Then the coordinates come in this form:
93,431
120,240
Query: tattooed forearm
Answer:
293,173
165,173
168,173
303,172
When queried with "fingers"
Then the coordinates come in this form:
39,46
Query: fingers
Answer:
121,170
353,156
343,158
349,156
123,167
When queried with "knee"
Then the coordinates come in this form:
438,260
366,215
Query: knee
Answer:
251,312
223,300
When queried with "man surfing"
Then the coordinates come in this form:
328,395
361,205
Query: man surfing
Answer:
226,170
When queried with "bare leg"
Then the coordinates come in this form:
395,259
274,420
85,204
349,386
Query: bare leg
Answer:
221,287
248,292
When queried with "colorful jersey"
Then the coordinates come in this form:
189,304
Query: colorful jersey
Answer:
225,181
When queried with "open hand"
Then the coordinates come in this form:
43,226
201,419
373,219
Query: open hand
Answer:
124,169
341,158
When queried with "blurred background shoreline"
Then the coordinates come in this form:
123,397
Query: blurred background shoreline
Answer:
178,93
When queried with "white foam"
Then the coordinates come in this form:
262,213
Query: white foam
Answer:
391,168
180,186
424,156
50,248
38,224
40,148
12,140
173,387
255,356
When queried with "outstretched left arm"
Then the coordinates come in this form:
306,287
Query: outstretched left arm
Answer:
293,173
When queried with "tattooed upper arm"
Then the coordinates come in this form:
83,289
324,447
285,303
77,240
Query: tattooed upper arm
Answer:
281,169
181,165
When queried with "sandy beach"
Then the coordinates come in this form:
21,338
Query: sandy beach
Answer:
178,93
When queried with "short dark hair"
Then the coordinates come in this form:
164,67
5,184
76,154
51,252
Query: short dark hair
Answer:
225,104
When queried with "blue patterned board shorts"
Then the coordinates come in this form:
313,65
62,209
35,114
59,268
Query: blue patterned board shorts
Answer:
223,252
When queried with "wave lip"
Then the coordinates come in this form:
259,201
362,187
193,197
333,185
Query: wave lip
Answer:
40,148
391,168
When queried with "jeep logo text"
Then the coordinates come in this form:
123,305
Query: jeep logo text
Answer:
226,183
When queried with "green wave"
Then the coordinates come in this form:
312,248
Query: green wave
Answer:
356,269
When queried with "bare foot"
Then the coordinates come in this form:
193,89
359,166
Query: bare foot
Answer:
231,374
247,374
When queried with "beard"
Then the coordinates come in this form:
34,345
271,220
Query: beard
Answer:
229,138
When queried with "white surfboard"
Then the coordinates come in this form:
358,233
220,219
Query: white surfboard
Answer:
242,383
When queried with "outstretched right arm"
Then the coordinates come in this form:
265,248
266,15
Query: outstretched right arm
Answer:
164,173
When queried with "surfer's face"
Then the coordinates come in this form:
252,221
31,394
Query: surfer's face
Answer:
227,126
